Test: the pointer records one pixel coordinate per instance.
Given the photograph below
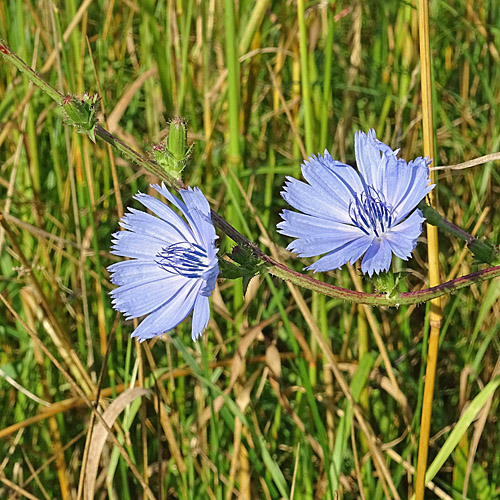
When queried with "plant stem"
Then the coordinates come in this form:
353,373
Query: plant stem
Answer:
31,74
253,24
327,77
482,250
273,267
304,71
432,250
233,150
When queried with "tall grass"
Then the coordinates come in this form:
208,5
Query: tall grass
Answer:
259,408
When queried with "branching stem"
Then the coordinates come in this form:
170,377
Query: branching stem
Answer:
273,267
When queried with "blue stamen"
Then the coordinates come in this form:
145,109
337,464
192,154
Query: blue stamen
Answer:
186,259
370,212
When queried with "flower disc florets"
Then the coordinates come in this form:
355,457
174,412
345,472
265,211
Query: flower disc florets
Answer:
346,213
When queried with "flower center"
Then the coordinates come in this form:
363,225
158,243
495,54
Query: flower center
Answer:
186,259
371,213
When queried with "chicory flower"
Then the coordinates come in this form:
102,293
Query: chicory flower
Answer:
173,267
348,213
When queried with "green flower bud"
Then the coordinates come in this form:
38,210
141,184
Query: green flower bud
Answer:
173,155
177,138
80,113
387,282
484,251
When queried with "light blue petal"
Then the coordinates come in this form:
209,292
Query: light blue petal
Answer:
141,297
403,237
143,223
130,271
170,197
377,258
128,244
368,158
196,209
194,198
201,316
198,215
410,188
350,252
373,157
334,181
210,278
411,226
326,242
166,213
169,315
202,227
298,225
346,175
305,198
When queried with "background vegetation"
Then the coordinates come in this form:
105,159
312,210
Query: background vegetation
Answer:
253,409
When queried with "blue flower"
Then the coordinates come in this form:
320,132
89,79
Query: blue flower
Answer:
174,265
347,213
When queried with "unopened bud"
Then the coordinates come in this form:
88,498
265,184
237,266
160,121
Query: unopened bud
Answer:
81,113
484,251
174,154
387,282
177,138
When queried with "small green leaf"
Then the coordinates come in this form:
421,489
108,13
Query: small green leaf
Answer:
243,264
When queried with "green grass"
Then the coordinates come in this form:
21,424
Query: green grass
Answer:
220,422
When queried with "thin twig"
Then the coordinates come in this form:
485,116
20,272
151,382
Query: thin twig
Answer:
471,163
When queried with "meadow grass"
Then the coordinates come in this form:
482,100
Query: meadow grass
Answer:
257,408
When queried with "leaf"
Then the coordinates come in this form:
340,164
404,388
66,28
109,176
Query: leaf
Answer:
244,265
